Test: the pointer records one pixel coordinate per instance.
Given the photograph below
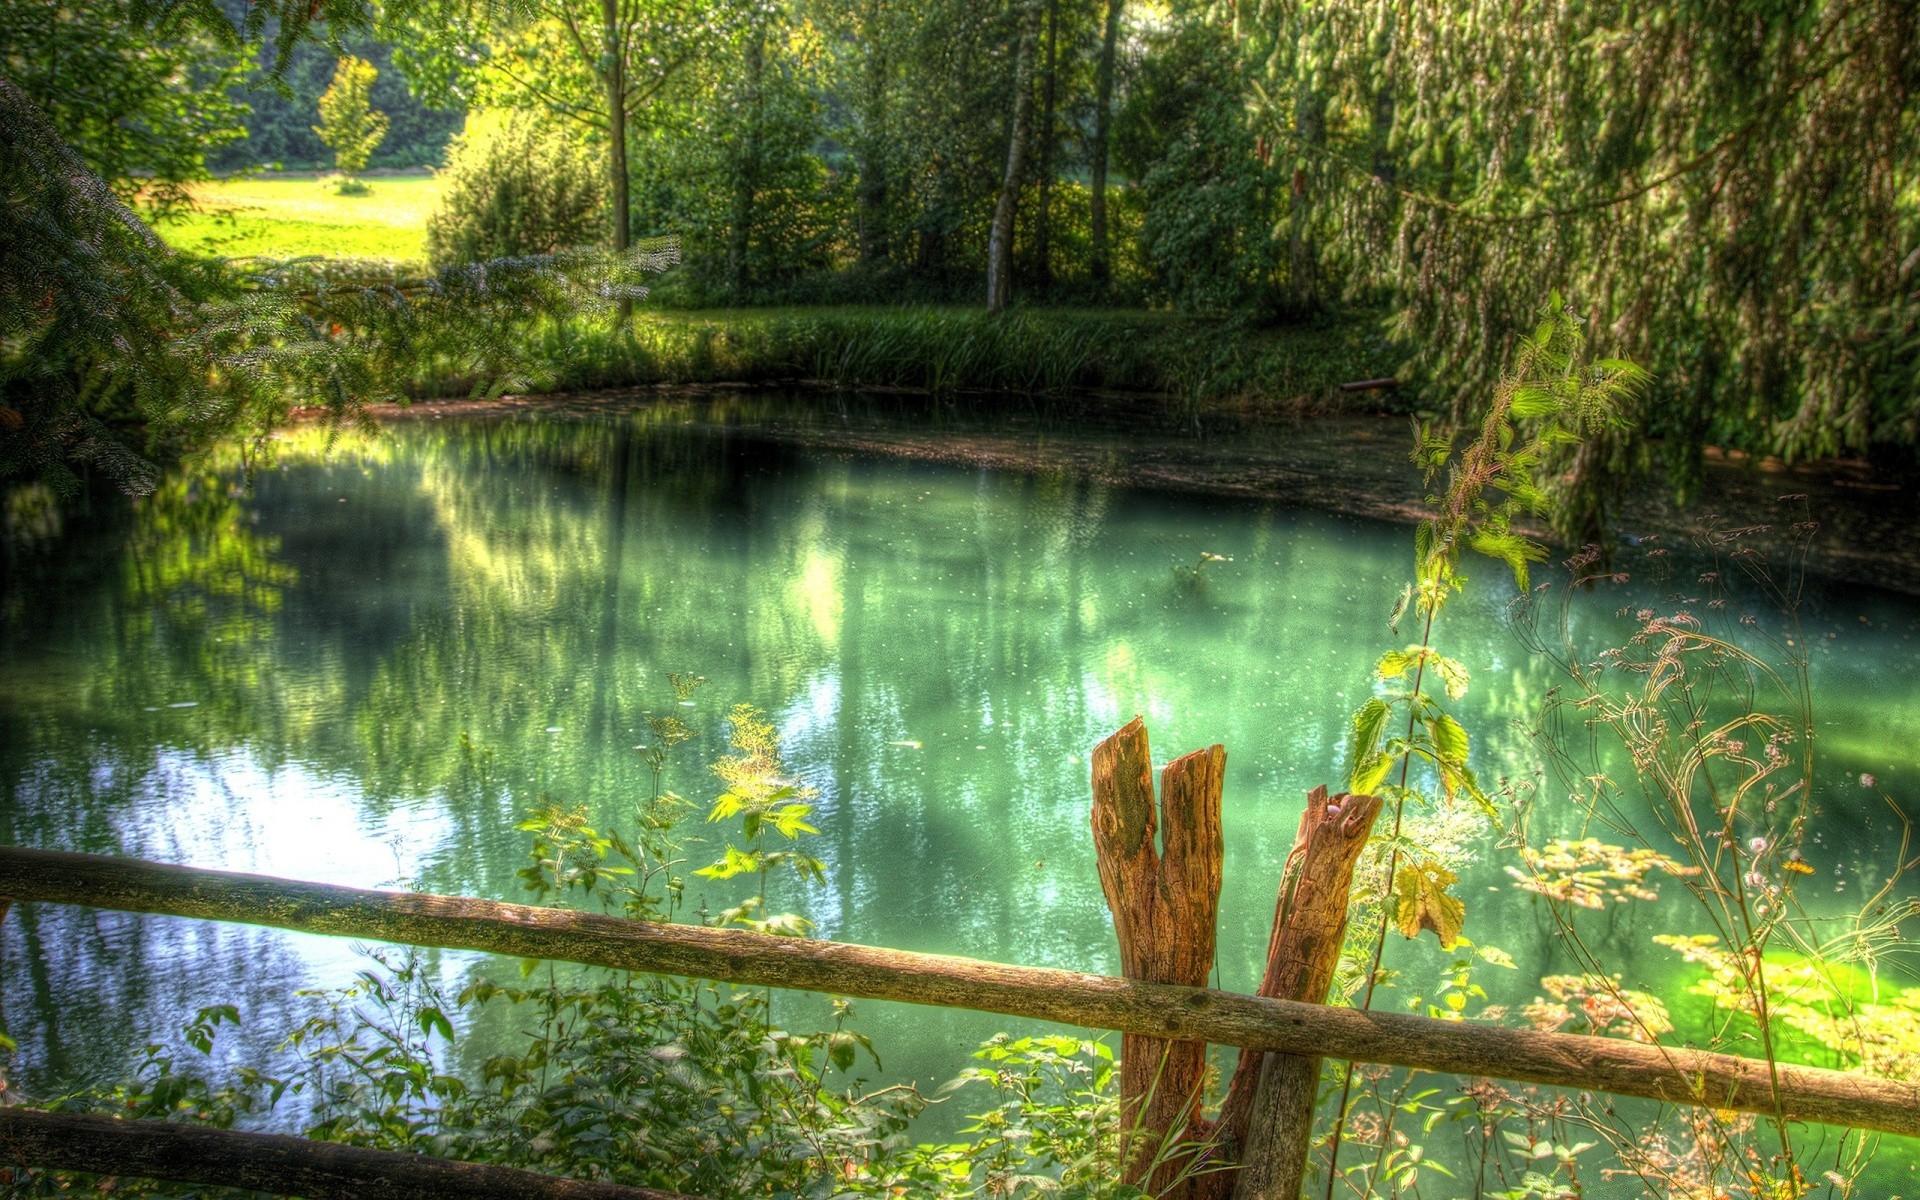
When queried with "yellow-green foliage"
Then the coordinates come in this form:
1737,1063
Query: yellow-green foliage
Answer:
349,126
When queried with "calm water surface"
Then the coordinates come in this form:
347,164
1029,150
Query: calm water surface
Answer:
298,679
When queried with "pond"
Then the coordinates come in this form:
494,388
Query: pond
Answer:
369,665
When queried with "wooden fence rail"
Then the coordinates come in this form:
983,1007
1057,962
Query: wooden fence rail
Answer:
271,1162
1169,1011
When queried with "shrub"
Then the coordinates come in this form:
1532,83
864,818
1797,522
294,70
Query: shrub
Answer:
515,186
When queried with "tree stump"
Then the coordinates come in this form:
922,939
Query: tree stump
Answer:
1266,1121
1164,900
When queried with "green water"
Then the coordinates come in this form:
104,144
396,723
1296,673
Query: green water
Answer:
296,679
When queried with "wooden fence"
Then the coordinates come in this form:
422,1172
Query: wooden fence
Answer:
1169,1011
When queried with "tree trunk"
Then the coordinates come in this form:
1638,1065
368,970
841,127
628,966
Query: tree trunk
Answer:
615,76
872,152
746,180
1303,261
1099,266
1043,223
1000,240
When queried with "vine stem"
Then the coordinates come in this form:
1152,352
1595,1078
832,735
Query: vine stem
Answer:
1393,864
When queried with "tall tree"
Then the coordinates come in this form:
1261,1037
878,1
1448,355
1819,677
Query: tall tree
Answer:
1000,238
600,62
875,38
1099,263
1049,88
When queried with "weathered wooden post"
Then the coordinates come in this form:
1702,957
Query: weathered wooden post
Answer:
1165,900
1266,1121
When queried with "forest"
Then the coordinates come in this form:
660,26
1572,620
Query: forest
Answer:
587,584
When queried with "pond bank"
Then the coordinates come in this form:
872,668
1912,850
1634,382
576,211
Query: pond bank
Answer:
1867,522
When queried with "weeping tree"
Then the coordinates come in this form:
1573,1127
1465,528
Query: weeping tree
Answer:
1727,188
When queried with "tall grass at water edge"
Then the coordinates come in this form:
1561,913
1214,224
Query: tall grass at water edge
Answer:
939,350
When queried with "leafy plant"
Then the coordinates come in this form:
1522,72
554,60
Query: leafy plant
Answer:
762,797
1549,398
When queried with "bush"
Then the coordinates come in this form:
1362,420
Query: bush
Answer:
515,187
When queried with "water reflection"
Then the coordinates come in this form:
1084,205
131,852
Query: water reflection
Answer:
368,667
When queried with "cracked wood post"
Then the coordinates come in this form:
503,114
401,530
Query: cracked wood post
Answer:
1266,1121
1164,901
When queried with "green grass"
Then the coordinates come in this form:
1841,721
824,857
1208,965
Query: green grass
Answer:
289,216
1198,364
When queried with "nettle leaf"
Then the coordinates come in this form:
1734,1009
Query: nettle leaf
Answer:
1368,724
1452,673
1449,739
736,862
1422,902
841,1048
1395,663
1509,548
1369,775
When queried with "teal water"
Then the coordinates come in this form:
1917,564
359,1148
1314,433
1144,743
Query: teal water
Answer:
296,678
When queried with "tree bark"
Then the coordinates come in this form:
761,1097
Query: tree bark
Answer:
269,1162
1673,1074
1099,266
1165,903
1000,239
1303,259
1043,220
615,77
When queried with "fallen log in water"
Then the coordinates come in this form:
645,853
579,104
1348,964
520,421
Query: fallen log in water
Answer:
1671,1074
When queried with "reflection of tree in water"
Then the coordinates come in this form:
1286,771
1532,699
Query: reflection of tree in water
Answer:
466,619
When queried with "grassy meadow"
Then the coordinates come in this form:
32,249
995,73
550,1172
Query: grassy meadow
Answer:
290,216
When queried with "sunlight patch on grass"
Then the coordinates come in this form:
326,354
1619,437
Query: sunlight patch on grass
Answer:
291,216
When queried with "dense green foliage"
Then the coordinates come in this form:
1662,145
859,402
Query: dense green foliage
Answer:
140,93
1729,188
515,184
282,107
111,349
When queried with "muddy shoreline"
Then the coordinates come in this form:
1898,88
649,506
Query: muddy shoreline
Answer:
1865,523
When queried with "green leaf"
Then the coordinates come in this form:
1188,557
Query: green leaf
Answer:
1395,663
1453,675
1449,739
736,862
432,1019
840,1049
1368,724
